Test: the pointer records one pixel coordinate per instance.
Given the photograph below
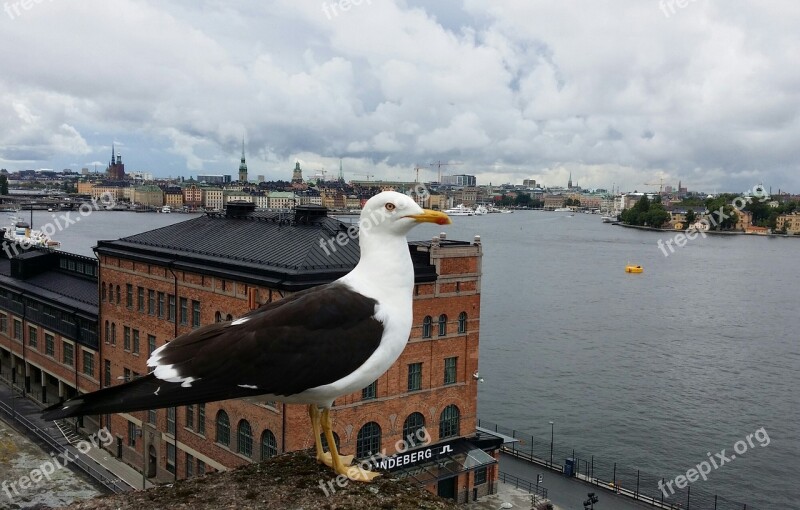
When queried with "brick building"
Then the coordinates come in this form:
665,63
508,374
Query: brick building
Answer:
166,282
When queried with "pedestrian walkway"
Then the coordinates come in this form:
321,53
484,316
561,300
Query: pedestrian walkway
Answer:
25,415
564,492
506,495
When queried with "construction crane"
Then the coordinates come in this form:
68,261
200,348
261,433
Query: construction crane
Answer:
368,176
439,166
416,169
660,184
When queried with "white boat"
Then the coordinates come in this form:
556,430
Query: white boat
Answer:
562,209
166,209
22,233
481,210
459,210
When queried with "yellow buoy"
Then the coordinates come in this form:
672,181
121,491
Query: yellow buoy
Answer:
633,269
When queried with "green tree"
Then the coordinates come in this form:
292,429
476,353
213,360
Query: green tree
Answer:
691,217
3,185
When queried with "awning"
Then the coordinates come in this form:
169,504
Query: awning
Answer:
506,439
431,463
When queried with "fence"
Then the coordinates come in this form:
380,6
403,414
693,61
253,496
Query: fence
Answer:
521,483
624,480
112,484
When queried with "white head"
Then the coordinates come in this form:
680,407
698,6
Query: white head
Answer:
396,214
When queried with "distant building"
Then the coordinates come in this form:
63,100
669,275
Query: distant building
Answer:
459,180
297,174
212,199
242,166
529,183
148,196
214,179
115,170
192,196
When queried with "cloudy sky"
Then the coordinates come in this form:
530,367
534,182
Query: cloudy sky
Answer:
621,92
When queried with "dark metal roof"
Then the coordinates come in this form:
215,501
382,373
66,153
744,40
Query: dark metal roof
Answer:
279,249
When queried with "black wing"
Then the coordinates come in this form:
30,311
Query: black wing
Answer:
309,339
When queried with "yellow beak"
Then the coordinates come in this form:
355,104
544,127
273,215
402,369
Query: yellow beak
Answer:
430,216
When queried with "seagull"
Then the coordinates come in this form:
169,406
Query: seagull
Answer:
308,348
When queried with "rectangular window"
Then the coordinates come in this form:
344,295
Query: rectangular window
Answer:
49,344
201,467
151,301
4,323
161,304
152,416
171,457
136,341
107,372
195,314
201,421
126,375
151,344
171,420
131,434
189,416
450,370
370,391
189,466
88,363
33,336
171,308
18,329
414,376
129,295
480,476
67,354
140,299
126,338
184,311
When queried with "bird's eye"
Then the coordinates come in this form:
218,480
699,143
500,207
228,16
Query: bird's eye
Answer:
390,206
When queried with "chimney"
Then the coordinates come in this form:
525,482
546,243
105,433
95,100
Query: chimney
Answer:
239,209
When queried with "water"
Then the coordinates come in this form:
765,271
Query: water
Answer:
650,370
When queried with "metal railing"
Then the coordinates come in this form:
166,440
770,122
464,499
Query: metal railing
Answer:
613,476
114,485
521,483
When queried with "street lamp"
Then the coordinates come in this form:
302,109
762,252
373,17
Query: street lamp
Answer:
551,443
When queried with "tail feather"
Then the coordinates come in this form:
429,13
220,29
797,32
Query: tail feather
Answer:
136,395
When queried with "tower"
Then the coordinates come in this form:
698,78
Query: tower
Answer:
242,166
297,174
115,170
341,171
569,183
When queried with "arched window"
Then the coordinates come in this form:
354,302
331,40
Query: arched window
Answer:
113,333
244,438
229,317
414,429
449,422
223,428
119,297
426,326
325,441
462,322
442,325
102,291
108,332
368,441
269,447
218,317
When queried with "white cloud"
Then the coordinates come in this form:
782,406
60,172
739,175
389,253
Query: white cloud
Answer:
612,91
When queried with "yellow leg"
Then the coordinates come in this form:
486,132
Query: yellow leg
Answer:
354,473
323,457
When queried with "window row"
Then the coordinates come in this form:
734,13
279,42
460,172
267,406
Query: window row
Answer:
152,302
130,338
244,437
427,325
67,348
368,441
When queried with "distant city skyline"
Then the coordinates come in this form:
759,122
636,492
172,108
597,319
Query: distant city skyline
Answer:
616,97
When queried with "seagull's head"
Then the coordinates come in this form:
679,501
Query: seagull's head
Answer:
396,213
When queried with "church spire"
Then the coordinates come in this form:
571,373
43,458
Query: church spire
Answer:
243,166
569,183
